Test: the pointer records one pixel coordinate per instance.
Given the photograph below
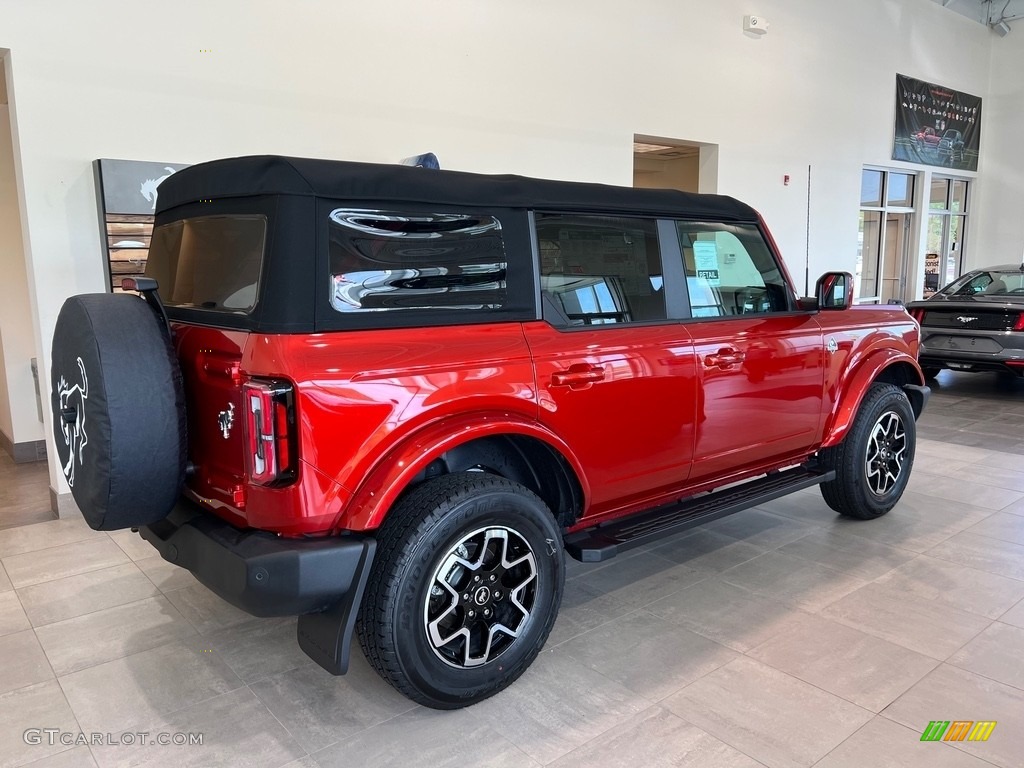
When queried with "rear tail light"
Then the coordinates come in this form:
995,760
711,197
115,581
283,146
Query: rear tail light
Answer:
271,443
917,314
1019,325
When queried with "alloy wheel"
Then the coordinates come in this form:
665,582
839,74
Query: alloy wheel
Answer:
886,452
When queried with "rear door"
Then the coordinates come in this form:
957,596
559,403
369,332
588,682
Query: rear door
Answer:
760,362
616,378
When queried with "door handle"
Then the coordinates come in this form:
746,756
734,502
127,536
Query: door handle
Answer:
578,376
724,358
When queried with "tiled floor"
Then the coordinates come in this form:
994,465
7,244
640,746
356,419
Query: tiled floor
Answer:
24,492
783,636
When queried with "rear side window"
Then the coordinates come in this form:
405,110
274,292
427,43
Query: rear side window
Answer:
209,262
395,262
599,270
730,270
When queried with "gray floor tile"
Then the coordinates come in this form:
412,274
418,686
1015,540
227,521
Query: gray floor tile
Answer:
1017,508
998,653
809,508
637,581
954,516
942,450
885,744
974,493
78,595
142,687
1010,461
556,706
655,737
766,714
53,533
319,709
5,582
37,706
986,554
854,556
726,614
12,615
649,655
166,576
1014,616
902,531
583,608
424,737
858,667
109,634
924,626
204,610
792,580
132,544
761,529
24,662
237,729
259,648
968,589
948,693
1003,526
65,560
76,757
705,550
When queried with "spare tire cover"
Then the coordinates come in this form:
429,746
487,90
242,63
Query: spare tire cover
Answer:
118,409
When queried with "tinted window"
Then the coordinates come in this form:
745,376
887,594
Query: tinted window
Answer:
987,284
393,261
599,270
209,262
730,270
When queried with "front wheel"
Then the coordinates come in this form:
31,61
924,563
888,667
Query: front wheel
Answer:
873,462
464,591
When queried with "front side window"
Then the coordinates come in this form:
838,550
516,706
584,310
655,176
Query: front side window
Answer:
387,261
599,270
730,270
209,262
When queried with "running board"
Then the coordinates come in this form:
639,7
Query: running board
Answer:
604,541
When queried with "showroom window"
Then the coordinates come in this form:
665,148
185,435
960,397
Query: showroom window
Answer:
599,270
947,228
884,236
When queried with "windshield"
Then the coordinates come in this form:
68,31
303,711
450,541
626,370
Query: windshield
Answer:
208,262
994,283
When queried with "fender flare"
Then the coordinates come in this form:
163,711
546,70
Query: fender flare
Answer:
391,475
854,387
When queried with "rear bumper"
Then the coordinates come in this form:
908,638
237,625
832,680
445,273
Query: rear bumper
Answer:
259,572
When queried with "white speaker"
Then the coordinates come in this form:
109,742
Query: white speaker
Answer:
755,24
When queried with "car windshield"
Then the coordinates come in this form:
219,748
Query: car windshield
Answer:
991,282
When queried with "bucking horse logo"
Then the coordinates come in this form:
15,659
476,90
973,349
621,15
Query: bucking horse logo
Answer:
72,420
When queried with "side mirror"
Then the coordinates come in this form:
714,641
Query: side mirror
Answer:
834,290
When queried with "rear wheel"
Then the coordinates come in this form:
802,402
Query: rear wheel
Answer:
873,463
464,591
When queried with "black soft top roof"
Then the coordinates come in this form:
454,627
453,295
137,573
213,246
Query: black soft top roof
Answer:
276,175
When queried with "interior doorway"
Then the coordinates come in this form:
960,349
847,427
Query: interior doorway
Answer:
660,163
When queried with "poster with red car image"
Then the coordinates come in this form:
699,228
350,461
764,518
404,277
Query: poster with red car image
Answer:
936,125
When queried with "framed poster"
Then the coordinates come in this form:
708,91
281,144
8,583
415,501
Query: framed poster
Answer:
936,125
126,191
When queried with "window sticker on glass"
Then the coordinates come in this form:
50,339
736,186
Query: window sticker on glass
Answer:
705,254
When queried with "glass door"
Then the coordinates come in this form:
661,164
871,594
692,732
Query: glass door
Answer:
883,259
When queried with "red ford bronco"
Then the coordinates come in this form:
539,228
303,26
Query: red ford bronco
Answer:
390,400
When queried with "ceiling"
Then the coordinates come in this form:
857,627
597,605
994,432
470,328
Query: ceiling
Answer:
988,12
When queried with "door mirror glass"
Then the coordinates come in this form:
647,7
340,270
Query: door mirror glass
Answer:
834,290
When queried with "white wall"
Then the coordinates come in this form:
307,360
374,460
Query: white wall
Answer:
553,88
19,419
999,225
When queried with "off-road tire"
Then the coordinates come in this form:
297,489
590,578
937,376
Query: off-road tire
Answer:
851,493
416,538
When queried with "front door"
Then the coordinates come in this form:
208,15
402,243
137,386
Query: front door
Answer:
760,362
